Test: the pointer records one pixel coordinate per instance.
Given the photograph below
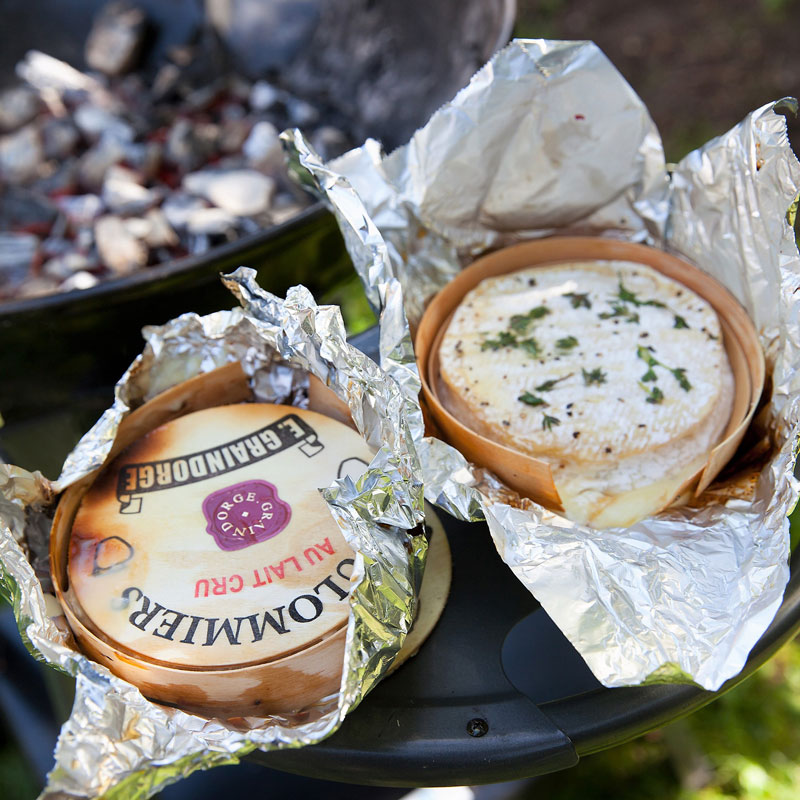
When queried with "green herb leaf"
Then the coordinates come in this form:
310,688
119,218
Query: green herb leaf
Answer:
532,399
655,396
529,345
520,322
628,296
680,322
593,376
679,373
504,339
548,385
579,300
646,355
618,310
548,422
680,376
567,343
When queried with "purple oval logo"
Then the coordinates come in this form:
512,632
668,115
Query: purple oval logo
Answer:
245,514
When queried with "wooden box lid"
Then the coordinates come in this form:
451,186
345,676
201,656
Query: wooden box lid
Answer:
205,544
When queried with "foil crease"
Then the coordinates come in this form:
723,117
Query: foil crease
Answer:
548,138
118,744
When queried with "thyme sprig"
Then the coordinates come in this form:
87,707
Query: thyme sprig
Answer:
532,399
529,345
619,309
567,343
646,354
504,339
520,322
518,325
548,422
593,376
627,296
654,396
680,322
579,299
679,373
548,385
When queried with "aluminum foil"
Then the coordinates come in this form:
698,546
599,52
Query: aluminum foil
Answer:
118,744
548,138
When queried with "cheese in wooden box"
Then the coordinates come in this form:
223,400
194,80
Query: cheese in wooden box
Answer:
204,566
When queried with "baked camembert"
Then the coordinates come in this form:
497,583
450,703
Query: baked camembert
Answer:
611,372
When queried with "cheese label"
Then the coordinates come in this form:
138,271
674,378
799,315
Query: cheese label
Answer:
206,543
137,479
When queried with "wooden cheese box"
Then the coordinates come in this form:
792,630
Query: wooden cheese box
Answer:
532,477
202,564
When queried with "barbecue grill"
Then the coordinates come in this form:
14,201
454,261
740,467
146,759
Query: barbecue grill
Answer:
497,692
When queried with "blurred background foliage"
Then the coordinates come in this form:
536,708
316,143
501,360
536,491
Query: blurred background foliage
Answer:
699,65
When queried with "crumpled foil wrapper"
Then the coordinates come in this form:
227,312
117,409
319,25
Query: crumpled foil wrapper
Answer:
548,138
118,744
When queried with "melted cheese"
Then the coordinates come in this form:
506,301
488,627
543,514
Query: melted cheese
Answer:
626,379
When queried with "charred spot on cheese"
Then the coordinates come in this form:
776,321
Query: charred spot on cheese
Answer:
113,551
646,339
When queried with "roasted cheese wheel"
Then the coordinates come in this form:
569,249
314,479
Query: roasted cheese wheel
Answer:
613,373
206,546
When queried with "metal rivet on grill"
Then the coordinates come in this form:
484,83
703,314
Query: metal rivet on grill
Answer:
477,727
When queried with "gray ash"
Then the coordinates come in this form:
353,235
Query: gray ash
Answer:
108,172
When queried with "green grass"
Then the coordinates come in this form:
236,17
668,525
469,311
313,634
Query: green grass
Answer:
349,295
16,778
540,22
744,746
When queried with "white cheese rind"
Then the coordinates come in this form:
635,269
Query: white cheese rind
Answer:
603,439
